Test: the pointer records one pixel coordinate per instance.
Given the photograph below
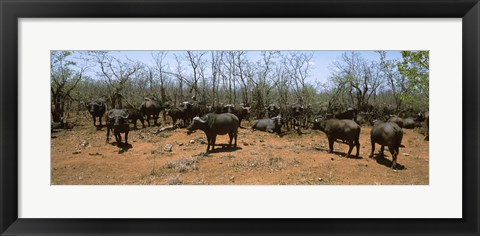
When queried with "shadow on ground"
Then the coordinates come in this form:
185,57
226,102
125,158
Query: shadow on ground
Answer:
122,147
387,162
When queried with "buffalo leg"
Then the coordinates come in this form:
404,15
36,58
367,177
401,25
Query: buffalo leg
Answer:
373,148
108,135
230,135
209,141
94,121
357,144
213,142
118,138
235,136
330,144
148,120
134,121
126,137
155,120
394,153
381,151
100,119
350,148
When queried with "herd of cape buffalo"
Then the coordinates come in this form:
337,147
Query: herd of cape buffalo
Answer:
338,123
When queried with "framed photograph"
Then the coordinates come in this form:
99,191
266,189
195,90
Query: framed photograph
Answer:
224,117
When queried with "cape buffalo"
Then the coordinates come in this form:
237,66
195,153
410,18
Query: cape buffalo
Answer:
346,130
191,109
229,108
151,108
271,125
387,134
63,124
117,121
397,120
316,123
424,117
341,112
242,112
177,114
294,114
410,123
364,118
216,124
272,110
134,115
96,108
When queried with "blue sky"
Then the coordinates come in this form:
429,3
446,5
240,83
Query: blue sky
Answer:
321,61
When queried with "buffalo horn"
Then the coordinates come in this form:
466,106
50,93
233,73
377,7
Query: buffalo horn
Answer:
199,119
203,121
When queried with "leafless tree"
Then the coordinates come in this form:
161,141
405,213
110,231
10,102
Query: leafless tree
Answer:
116,73
242,72
357,77
195,60
297,66
228,75
161,72
64,77
215,72
389,71
264,80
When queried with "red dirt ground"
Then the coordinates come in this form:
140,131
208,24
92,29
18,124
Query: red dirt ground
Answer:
81,157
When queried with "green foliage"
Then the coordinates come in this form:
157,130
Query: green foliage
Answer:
415,69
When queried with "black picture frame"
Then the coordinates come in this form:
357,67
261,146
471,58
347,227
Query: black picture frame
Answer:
11,11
